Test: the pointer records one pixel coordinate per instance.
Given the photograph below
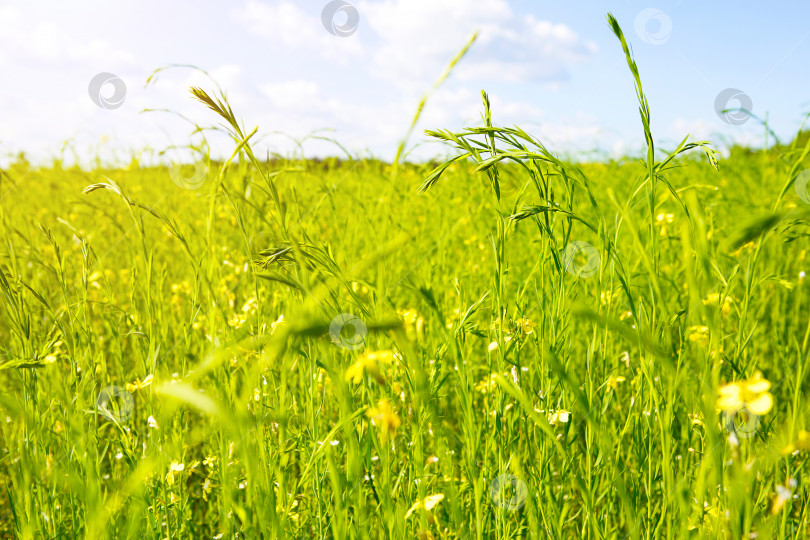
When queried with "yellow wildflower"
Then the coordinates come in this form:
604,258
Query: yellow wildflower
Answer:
251,305
662,220
413,323
751,394
698,334
614,381
237,320
179,290
520,327
485,385
398,391
454,318
174,468
711,521
525,325
560,416
428,504
384,417
94,278
714,300
665,218
138,384
802,442
369,362
359,288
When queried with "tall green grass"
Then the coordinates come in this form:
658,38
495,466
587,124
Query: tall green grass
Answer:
589,391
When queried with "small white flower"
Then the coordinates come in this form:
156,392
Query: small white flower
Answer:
732,440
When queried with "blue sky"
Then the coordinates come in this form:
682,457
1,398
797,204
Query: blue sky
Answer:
554,68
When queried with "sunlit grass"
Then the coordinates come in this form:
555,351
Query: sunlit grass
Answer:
525,346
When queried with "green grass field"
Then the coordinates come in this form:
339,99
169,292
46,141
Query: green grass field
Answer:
502,345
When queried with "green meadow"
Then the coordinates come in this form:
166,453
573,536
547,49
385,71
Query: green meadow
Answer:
501,344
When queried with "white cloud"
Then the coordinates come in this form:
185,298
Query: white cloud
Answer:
296,95
286,27
716,132
419,37
697,129
409,42
365,86
44,41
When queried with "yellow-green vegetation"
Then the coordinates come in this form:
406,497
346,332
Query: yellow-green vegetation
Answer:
506,345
